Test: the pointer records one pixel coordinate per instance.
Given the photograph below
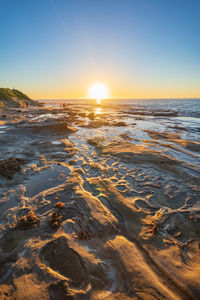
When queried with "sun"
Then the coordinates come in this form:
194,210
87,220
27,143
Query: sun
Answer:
98,91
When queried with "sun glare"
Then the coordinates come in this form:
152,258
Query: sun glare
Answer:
98,91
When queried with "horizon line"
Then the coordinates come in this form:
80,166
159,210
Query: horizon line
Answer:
117,98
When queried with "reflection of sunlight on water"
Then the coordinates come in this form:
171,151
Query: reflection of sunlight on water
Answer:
98,110
98,101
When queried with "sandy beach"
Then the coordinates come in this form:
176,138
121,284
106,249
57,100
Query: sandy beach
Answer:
100,201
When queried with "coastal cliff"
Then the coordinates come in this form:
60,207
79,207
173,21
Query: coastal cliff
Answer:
15,98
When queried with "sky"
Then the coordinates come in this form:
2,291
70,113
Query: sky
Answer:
53,49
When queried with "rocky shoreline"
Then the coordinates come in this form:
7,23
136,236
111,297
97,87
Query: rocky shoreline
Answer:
89,211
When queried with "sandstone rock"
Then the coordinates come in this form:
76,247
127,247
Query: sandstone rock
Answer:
91,116
55,220
27,221
67,262
59,205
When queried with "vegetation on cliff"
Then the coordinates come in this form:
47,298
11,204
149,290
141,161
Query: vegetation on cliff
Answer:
15,98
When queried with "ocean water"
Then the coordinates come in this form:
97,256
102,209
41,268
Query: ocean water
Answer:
183,107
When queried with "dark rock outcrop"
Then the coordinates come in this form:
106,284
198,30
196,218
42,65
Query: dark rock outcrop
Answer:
8,167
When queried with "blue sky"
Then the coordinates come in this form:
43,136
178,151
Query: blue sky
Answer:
137,48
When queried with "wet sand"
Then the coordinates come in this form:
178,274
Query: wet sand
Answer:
99,202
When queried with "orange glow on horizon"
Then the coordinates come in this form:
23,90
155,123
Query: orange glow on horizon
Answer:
117,90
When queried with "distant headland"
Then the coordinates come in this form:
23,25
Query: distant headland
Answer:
15,98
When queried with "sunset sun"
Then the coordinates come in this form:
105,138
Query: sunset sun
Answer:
98,91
